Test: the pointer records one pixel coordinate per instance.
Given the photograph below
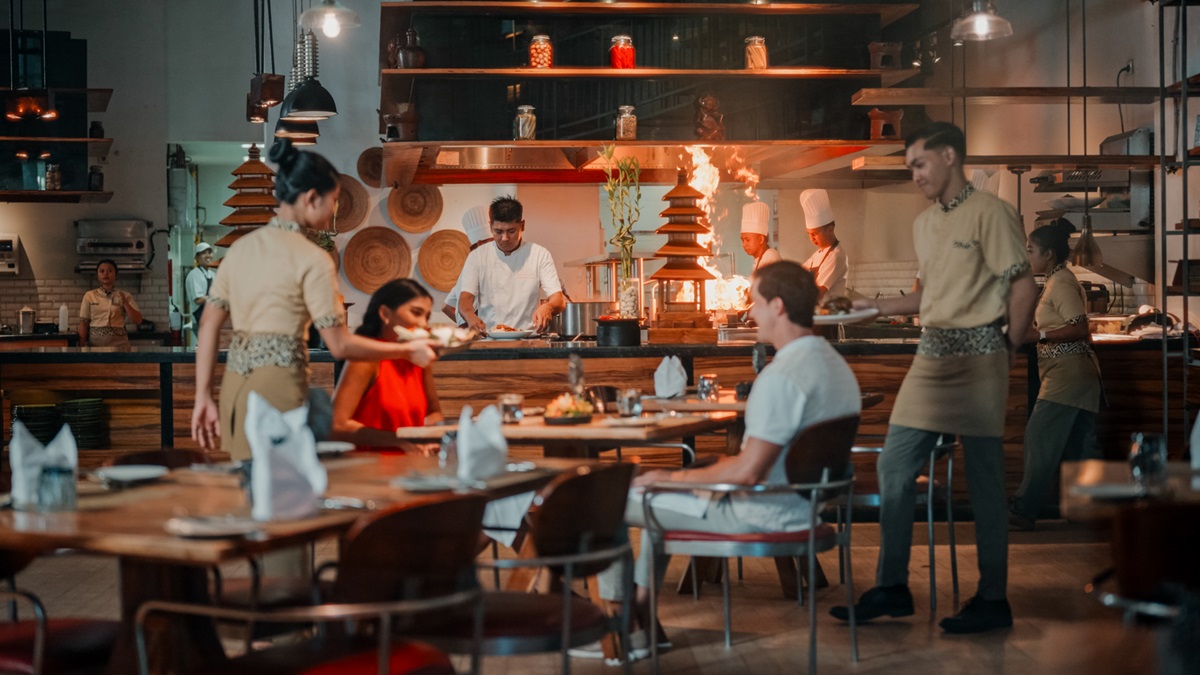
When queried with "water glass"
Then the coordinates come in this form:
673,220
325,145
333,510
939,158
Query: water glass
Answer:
448,454
510,407
56,489
709,387
629,403
1148,459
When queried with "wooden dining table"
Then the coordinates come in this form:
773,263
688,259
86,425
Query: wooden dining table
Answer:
157,565
1095,489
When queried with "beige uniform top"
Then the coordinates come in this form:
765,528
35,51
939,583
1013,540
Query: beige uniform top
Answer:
273,283
1068,370
105,309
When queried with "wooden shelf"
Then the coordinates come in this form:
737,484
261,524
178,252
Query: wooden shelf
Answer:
97,99
887,12
1029,162
1004,95
888,77
55,196
96,146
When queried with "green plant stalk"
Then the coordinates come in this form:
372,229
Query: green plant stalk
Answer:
624,192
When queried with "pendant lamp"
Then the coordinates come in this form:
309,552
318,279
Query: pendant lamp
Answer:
1087,250
308,100
330,16
24,104
981,23
296,130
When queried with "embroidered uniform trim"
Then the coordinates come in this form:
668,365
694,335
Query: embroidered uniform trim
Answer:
248,351
1015,271
329,321
947,342
219,302
958,199
281,224
107,331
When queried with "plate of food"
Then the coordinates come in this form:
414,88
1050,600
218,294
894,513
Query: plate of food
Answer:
568,409
1114,338
448,339
211,527
131,474
841,310
504,332
1073,202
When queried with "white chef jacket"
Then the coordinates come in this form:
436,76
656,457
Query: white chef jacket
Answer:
506,287
198,281
830,265
769,256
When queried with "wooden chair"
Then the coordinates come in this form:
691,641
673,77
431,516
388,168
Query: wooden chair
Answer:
819,469
575,531
415,562
43,645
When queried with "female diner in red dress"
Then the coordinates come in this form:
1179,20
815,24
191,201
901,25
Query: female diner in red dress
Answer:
372,400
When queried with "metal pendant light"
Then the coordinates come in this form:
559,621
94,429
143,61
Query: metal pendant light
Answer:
1087,251
308,100
23,103
331,17
981,23
296,130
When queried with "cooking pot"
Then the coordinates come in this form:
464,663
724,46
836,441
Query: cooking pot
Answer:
579,318
45,327
618,333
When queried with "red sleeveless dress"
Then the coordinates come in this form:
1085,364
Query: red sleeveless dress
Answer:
395,399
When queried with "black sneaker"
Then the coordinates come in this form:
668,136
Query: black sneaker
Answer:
1019,523
979,615
893,601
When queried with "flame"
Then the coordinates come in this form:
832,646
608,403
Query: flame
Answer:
745,174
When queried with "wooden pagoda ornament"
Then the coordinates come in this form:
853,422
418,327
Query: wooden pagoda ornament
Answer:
254,202
684,222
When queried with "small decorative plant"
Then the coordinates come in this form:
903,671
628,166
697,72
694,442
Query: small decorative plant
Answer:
624,191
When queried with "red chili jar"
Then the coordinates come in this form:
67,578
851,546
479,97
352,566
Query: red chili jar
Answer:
621,54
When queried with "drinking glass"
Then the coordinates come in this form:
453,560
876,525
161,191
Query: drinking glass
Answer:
510,407
629,403
709,387
56,489
1148,459
448,454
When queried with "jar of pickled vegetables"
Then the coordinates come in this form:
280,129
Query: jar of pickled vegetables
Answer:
626,124
621,54
525,124
756,53
541,52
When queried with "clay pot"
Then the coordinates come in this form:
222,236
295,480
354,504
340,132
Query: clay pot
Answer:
408,53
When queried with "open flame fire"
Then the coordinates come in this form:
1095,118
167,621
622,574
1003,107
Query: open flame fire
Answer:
724,293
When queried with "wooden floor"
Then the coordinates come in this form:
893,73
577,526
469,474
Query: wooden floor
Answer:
1058,629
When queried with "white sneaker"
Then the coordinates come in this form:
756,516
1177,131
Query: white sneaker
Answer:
639,649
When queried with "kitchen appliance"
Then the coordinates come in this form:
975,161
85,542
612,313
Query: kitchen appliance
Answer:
579,318
42,327
10,254
618,333
25,319
125,242
1096,296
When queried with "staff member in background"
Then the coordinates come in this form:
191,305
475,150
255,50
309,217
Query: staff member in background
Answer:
756,226
501,281
829,264
1063,422
475,225
198,281
975,277
105,311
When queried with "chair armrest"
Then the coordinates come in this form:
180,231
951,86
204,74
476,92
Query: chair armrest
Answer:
39,615
611,553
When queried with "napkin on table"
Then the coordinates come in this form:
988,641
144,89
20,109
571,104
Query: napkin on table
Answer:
286,479
670,379
483,453
28,457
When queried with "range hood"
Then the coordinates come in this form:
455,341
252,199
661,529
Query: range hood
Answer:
451,162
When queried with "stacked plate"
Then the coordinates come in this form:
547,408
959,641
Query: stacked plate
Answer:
40,419
87,419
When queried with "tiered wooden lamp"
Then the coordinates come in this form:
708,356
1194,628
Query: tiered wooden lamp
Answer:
681,251
255,202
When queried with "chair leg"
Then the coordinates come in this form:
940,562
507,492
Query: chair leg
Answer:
740,568
725,596
495,570
653,628
695,578
932,559
850,593
950,523
812,610
841,556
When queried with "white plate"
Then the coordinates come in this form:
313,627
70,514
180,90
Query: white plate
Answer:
131,473
509,334
1114,337
1109,491
853,316
422,482
631,421
1073,202
333,447
207,527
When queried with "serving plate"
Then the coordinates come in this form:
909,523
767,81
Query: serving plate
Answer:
211,527
325,448
1109,491
509,334
853,316
565,421
131,474
1073,202
644,421
1114,338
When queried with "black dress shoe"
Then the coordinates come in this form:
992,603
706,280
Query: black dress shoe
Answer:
893,601
979,615
1020,523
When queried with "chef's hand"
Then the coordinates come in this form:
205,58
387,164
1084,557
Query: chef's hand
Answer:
541,317
655,476
477,325
420,352
206,422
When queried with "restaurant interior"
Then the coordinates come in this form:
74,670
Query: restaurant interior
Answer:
139,130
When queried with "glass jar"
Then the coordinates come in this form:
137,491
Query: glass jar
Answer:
621,53
626,124
756,53
53,177
541,52
525,124
96,130
96,178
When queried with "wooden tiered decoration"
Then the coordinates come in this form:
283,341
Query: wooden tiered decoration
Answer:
681,251
255,202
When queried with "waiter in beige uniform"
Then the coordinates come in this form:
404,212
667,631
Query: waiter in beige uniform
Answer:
971,250
830,263
756,227
105,311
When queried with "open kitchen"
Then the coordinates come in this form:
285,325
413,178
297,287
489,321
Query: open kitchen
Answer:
643,140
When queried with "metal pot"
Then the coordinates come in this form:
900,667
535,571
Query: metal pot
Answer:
579,318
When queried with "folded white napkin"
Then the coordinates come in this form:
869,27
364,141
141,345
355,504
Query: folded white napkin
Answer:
28,456
286,479
482,450
1195,446
670,379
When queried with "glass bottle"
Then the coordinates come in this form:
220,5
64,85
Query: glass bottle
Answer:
96,178
541,52
621,53
756,53
525,124
626,124
53,177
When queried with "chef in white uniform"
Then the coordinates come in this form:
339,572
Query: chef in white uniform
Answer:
502,281
829,264
475,225
756,225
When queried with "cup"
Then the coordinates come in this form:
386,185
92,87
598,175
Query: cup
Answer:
510,407
629,403
709,387
448,453
56,489
1148,459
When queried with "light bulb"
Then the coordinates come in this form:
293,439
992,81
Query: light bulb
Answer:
330,26
981,24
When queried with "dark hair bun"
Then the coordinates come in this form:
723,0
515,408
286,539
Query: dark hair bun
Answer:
283,153
1065,225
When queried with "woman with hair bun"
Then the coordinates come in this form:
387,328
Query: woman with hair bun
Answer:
272,284
372,399
1063,422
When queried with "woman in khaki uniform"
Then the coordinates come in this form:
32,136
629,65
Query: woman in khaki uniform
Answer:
273,283
105,310
1063,422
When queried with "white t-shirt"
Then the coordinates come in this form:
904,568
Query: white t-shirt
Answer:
829,266
507,287
807,382
197,283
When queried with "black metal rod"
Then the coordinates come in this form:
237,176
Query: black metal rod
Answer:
1162,234
12,43
44,15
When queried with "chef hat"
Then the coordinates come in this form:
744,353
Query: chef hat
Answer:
475,224
817,212
201,248
756,218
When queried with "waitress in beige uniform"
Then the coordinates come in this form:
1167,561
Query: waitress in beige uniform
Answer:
273,283
105,311
1063,422
829,264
